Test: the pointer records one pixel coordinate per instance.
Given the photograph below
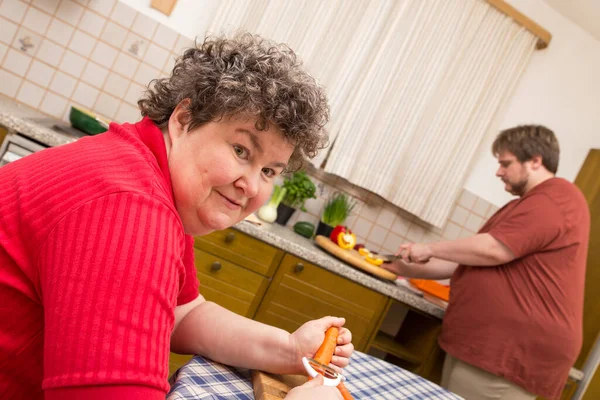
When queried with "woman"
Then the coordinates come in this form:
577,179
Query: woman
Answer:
97,277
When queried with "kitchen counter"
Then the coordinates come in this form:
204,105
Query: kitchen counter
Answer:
289,241
25,120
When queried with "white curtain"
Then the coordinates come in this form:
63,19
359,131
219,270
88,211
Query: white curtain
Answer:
414,85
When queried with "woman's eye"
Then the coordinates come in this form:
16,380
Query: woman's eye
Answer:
241,151
269,172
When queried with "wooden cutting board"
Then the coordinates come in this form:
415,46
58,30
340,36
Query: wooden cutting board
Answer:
274,387
353,258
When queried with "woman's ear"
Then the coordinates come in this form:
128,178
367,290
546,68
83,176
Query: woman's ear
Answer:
179,119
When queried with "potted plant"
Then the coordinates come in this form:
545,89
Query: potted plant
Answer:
337,209
298,188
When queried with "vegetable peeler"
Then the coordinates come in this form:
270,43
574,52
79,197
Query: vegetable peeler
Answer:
330,376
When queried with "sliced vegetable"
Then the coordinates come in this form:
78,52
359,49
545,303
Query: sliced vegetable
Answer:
363,251
304,228
373,260
346,240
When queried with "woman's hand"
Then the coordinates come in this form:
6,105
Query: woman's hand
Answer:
308,338
314,389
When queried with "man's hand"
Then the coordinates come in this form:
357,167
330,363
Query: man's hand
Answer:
416,252
308,338
314,389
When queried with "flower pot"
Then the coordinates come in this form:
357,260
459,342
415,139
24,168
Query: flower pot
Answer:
323,229
284,213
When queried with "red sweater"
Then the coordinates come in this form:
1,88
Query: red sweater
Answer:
93,262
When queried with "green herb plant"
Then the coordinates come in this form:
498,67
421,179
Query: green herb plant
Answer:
298,189
338,207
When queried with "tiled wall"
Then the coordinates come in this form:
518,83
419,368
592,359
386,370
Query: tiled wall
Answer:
382,227
98,54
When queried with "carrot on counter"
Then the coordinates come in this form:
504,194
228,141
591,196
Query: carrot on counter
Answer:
344,391
325,352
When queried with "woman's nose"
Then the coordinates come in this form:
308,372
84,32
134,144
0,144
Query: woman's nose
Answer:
249,183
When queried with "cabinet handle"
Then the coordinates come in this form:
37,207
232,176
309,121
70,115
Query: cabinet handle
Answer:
299,268
229,237
214,267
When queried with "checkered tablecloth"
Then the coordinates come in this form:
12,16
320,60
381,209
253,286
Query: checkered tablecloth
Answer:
367,377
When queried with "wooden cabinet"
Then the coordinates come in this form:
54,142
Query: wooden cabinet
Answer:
301,291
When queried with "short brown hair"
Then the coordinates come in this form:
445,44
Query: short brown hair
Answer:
527,141
245,75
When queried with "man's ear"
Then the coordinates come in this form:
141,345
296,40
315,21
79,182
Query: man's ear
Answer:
179,119
536,162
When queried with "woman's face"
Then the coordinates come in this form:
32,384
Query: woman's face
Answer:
223,171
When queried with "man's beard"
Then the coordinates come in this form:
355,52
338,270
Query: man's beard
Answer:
518,189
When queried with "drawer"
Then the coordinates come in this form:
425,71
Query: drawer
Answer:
235,288
302,291
241,249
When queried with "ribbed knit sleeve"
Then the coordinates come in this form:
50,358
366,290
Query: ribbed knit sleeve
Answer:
111,272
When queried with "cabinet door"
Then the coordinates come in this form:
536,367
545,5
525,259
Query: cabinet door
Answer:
229,285
241,249
302,291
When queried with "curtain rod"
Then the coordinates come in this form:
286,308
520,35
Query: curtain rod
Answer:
543,35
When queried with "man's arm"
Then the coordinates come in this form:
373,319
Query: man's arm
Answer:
481,250
433,269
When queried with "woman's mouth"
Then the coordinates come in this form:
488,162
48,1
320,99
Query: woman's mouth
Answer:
231,204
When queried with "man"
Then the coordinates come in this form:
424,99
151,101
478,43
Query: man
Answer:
513,327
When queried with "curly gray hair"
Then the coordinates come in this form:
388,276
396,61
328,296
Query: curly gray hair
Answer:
245,75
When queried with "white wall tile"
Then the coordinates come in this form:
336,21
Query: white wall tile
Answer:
40,73
27,41
126,65
362,227
16,62
54,105
72,64
165,37
85,94
50,53
10,83
104,55
116,85
451,231
459,215
36,20
415,233
107,105
465,233
13,10
467,199
63,84
92,23
47,5
70,12
156,56
82,2
134,93
474,222
103,7
114,34
60,32
30,94
82,43
370,212
183,43
377,235
392,243
3,51
144,26
135,45
170,64
128,113
400,225
94,74
492,210
8,30
146,73
386,218
481,206
123,15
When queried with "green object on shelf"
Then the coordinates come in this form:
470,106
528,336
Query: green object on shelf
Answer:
304,228
86,121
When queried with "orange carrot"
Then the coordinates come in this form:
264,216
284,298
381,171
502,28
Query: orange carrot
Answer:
325,352
344,391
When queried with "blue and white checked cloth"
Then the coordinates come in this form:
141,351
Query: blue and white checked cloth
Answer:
367,377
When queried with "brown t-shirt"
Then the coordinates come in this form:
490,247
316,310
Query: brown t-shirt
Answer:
523,320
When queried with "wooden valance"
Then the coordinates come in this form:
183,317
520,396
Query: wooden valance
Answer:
543,35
